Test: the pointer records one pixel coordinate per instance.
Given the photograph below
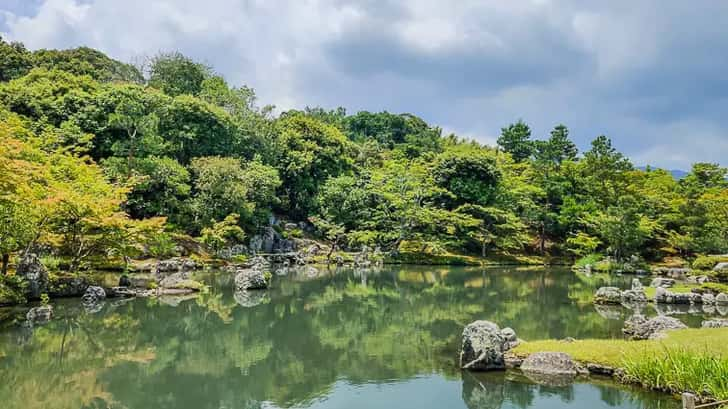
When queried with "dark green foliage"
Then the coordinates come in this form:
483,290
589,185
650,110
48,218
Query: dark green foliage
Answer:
175,74
516,140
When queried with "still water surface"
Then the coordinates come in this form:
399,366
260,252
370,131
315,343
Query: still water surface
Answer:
331,339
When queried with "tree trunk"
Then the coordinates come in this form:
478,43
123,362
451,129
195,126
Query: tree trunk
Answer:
6,261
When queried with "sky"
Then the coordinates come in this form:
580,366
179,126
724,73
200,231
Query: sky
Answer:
650,74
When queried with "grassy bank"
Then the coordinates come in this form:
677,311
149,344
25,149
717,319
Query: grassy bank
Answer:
694,360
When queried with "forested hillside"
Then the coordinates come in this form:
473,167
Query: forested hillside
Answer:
101,158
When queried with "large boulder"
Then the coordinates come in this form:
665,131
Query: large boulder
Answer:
715,323
608,295
39,315
93,295
550,363
638,327
721,266
707,299
34,273
662,282
250,279
721,299
484,345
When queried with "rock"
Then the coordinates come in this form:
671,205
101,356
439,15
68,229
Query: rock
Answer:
721,266
664,296
511,338
708,299
550,363
721,299
250,279
715,323
634,296
662,282
39,315
176,264
639,327
120,291
483,346
93,295
270,241
34,273
600,369
636,284
608,295
672,272
124,281
68,287
568,340
697,279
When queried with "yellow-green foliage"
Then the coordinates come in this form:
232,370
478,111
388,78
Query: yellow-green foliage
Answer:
708,262
668,364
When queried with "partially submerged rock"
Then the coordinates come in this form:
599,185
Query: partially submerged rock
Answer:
253,278
176,264
484,345
608,295
638,327
39,315
93,295
721,299
550,363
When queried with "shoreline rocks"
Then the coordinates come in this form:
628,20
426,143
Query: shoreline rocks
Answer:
253,278
638,327
550,363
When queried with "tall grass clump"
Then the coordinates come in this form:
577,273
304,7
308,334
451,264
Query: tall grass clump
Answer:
678,370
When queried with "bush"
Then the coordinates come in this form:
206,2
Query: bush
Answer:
591,259
708,262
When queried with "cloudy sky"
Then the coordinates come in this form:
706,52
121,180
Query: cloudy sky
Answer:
651,74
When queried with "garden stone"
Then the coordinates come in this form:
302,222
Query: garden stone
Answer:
484,346
638,327
34,272
715,323
721,299
93,295
662,282
39,315
550,363
608,295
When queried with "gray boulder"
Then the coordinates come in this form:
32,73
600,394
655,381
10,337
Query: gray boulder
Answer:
636,284
721,266
634,296
721,299
34,273
662,282
39,315
550,363
93,295
250,279
708,299
483,347
638,327
715,323
664,296
608,295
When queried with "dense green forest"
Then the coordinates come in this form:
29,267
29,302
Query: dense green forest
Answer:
100,158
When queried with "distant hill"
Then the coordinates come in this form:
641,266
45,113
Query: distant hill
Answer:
676,173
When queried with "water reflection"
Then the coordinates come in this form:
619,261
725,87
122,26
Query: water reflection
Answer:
318,338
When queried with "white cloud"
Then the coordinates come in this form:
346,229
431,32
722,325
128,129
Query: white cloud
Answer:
618,68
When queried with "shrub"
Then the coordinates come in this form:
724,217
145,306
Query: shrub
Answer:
708,262
591,259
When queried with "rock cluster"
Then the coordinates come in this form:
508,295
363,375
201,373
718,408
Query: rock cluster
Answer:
613,295
662,282
639,327
93,295
484,345
176,264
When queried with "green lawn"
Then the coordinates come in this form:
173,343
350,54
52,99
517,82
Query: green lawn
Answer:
693,360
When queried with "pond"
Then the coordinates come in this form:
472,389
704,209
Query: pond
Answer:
316,339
